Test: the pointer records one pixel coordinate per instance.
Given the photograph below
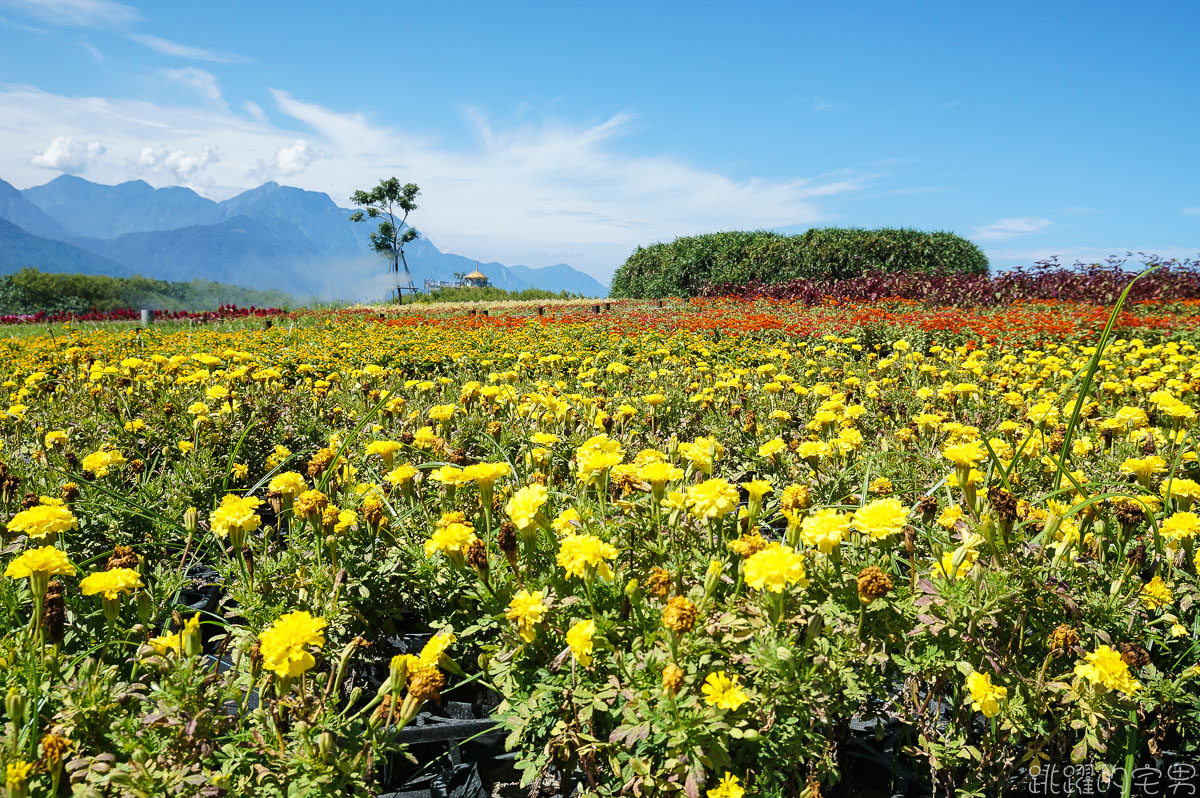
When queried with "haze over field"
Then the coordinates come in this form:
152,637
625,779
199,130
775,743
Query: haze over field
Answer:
571,135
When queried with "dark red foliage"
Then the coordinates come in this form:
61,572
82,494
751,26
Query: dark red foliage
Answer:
129,314
1099,284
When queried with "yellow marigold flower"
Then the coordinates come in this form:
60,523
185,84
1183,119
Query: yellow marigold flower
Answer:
592,463
424,438
985,696
111,584
235,514
1105,668
289,484
775,568
401,475
724,691
17,775
43,520
451,539
1155,594
795,498
965,455
758,488
442,413
812,450
103,461
384,449
880,486
965,555
583,555
346,520
950,516
1144,468
1181,490
1180,526
486,473
44,562
525,506
701,452
56,437
825,529
713,498
527,610
280,454
728,787
659,472
544,438
433,651
772,449
579,638
748,544
881,518
566,522
451,476
675,500
285,644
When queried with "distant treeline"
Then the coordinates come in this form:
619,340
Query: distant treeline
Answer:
29,291
489,294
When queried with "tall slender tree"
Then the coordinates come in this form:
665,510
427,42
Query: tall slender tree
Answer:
390,203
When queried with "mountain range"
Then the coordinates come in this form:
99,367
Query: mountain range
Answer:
271,236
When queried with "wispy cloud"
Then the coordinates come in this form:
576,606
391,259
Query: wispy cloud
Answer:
77,13
203,83
1192,211
165,47
1011,228
511,193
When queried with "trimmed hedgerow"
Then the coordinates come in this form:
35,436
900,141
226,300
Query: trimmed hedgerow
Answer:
684,266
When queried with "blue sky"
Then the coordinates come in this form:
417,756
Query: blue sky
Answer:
565,132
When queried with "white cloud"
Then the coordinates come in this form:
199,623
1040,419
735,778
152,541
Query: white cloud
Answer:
166,47
177,163
1011,228
204,83
1192,211
65,154
77,13
289,161
295,158
532,194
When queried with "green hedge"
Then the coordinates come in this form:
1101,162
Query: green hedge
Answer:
684,266
489,294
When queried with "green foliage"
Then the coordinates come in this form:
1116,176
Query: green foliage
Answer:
30,290
490,294
684,266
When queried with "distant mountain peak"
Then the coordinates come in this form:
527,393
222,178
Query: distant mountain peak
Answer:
271,235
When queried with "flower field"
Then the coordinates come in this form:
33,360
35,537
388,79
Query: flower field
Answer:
715,548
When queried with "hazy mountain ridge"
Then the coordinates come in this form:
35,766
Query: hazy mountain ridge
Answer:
271,236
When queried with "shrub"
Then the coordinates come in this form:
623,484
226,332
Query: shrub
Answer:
684,266
488,294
